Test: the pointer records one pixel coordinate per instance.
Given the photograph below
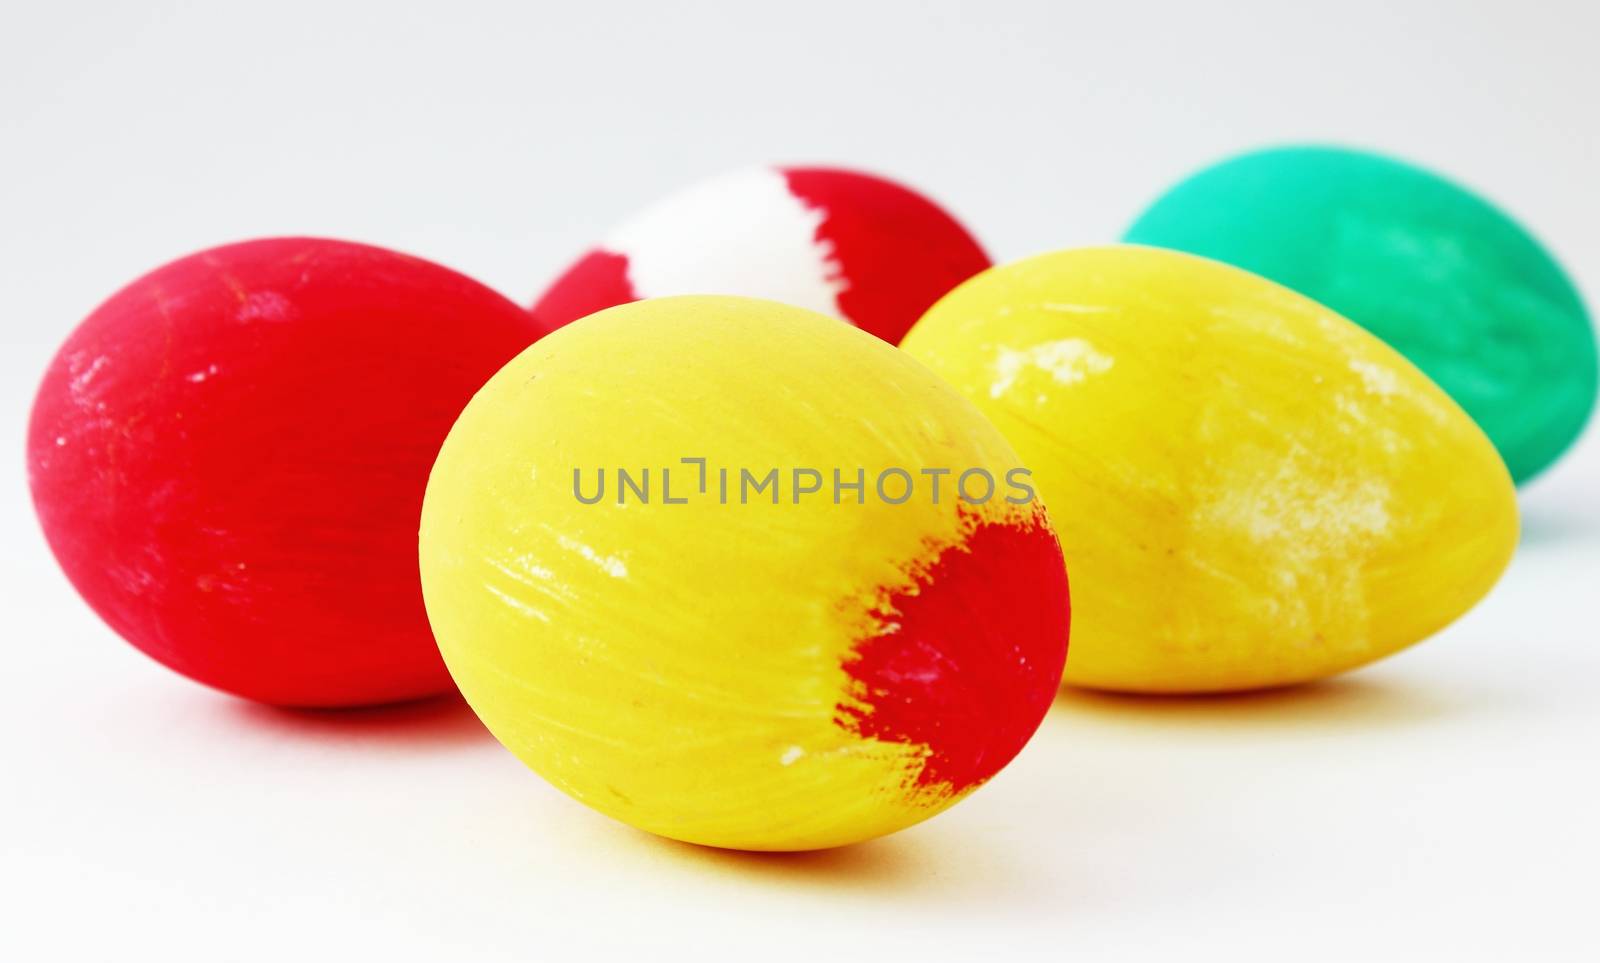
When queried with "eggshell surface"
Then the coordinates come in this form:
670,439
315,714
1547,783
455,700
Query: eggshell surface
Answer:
228,459
1442,275
789,669
851,245
1252,490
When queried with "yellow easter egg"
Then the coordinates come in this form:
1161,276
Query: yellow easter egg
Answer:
729,571
1250,490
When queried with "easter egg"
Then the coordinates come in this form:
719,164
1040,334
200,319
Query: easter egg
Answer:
789,591
1439,273
847,244
228,459
1252,491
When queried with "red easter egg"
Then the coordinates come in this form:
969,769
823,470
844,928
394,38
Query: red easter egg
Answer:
228,459
842,243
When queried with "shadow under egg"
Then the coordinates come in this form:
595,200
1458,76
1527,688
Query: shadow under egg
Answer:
1341,702
437,722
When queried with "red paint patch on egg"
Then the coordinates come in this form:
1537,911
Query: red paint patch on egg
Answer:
969,658
598,280
228,459
897,251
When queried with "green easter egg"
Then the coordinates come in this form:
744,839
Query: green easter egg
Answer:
1441,274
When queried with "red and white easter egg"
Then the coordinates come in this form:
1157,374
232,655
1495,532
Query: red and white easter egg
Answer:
843,243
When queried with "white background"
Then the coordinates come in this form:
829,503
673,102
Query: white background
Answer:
1440,805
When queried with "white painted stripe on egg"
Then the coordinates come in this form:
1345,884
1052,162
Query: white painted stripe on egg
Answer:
742,233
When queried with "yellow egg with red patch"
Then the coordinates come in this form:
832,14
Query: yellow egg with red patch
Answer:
1252,490
737,574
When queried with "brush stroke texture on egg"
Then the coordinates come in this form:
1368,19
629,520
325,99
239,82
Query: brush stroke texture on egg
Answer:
1252,490
228,458
783,673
